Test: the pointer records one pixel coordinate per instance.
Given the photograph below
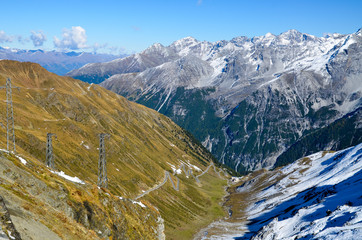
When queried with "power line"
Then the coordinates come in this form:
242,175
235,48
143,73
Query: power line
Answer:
102,163
10,130
49,151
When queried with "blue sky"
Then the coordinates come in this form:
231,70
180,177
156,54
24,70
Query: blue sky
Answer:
131,26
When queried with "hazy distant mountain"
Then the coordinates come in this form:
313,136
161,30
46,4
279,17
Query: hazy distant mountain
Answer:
56,62
247,99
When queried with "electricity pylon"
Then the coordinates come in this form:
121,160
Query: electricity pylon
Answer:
102,163
49,151
10,131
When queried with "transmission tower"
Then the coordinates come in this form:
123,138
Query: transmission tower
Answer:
102,170
10,131
49,150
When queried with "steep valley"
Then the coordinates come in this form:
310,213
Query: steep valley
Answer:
255,104
181,120
66,203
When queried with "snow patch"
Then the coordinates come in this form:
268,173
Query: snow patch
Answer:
236,179
10,236
218,65
168,95
85,145
22,160
69,178
317,196
196,168
177,171
174,169
88,88
139,203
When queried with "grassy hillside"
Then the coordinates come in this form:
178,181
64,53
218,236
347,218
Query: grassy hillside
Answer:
143,144
44,206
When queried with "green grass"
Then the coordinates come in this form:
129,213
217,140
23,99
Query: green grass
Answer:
193,207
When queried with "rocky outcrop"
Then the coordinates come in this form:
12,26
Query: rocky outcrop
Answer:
7,225
41,206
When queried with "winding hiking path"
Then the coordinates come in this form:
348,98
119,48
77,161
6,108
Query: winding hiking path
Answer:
176,187
167,176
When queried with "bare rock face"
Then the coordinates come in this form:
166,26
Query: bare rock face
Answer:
246,100
6,223
151,57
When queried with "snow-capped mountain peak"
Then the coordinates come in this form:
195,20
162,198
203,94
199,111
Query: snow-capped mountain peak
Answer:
156,48
185,46
269,35
185,42
291,33
359,32
303,73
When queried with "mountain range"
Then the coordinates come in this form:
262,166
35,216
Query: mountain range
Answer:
248,99
290,104
57,62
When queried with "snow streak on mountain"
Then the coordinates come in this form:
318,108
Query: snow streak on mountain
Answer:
247,100
317,197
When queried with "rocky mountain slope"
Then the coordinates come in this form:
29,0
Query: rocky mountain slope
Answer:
316,197
247,100
56,62
151,57
144,146
342,133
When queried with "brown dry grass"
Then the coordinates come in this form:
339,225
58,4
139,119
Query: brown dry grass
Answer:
142,144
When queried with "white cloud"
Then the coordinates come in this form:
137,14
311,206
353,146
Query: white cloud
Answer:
199,2
74,38
116,50
5,38
97,46
38,38
22,40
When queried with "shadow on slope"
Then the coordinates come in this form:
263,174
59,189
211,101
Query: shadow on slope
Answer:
330,197
342,133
